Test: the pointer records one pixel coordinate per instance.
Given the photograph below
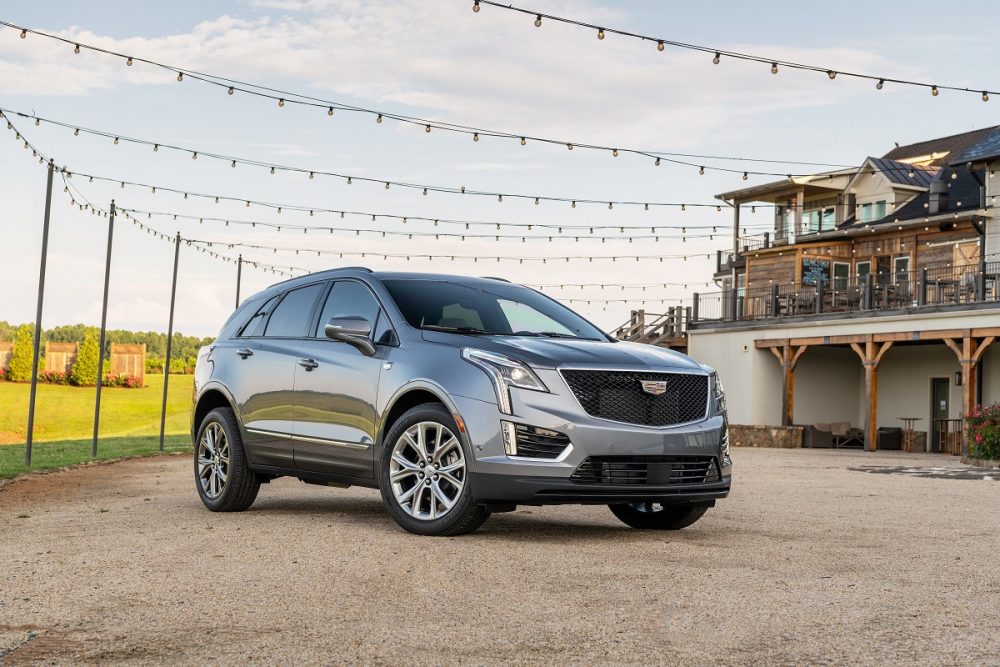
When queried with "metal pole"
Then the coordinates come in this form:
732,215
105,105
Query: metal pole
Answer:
239,276
104,329
170,339
38,316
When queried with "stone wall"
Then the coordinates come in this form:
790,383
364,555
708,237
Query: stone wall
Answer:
779,437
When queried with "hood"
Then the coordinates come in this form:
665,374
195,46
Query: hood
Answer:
555,352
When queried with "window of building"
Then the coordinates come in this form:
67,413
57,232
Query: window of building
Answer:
862,269
901,268
829,220
841,275
291,318
866,213
880,209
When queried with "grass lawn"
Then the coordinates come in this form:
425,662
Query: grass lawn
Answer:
67,413
67,452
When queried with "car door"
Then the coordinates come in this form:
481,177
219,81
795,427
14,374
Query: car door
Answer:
336,387
263,380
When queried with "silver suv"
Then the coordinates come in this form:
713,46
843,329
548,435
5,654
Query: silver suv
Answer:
455,397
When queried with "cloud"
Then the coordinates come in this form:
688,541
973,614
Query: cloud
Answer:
488,69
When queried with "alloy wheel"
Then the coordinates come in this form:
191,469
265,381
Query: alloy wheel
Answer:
646,507
213,461
427,470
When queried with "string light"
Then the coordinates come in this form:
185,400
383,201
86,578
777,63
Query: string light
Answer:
538,21
880,84
331,174
774,68
718,52
282,97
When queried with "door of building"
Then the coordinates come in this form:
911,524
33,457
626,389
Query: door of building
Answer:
940,394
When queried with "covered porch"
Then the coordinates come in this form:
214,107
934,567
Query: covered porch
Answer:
921,369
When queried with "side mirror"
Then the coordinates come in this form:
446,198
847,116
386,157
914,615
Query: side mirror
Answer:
355,331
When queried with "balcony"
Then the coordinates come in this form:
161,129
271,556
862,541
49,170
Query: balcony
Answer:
725,262
929,288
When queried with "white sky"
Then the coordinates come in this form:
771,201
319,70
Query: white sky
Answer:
439,60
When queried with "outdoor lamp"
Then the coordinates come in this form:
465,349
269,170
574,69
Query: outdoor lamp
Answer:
958,378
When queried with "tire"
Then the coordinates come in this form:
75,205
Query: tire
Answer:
653,516
427,499
224,483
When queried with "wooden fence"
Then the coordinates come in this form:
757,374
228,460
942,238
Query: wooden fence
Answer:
6,349
60,357
128,360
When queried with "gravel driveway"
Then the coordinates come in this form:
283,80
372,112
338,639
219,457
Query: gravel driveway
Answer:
817,557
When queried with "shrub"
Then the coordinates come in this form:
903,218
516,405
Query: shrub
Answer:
124,381
3,374
84,372
20,358
53,377
983,428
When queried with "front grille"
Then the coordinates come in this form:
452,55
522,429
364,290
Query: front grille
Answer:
619,396
539,443
650,470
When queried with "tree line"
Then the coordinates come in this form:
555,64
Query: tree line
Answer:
156,343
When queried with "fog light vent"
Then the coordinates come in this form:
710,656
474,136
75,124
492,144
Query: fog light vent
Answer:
533,442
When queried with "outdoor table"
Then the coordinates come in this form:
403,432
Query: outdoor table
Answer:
909,441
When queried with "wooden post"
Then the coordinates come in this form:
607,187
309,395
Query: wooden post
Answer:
871,356
788,357
970,353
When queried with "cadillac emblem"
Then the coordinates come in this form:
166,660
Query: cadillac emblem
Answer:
654,387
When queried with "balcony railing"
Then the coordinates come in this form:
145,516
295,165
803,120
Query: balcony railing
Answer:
655,328
902,290
726,261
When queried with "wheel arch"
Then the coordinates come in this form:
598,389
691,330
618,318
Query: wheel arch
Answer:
213,396
419,392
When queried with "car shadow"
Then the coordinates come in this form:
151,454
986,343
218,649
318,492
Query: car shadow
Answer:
524,524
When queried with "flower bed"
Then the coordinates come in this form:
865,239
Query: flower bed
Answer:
983,428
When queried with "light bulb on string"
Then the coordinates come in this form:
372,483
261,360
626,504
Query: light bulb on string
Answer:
76,49
934,91
830,73
538,21
600,33
129,61
180,76
231,90
717,59
774,68
880,84
660,45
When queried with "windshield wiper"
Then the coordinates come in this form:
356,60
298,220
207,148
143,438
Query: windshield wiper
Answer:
546,334
461,330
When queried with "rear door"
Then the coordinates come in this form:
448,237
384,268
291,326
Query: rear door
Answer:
264,374
336,387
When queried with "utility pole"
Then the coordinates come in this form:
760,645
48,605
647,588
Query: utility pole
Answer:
104,329
170,339
38,316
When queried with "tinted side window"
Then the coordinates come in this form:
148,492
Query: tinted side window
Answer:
383,333
348,298
253,326
291,317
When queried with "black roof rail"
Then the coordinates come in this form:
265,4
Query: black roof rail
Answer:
495,278
354,268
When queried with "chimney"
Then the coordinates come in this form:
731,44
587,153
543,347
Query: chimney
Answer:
938,197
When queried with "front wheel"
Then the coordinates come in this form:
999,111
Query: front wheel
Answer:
656,516
423,475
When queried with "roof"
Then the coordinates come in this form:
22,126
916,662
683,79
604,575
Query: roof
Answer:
986,149
963,197
944,148
901,173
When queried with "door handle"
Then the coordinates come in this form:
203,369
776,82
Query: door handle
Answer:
308,364
244,352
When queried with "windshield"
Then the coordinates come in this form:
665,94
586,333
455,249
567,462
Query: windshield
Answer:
502,309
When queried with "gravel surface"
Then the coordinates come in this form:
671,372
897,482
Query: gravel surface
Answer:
820,557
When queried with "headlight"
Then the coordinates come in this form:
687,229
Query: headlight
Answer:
505,373
718,394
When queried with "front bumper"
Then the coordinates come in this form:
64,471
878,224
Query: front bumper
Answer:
499,478
494,488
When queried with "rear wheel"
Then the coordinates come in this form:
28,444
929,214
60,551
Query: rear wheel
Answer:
224,480
423,475
656,516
